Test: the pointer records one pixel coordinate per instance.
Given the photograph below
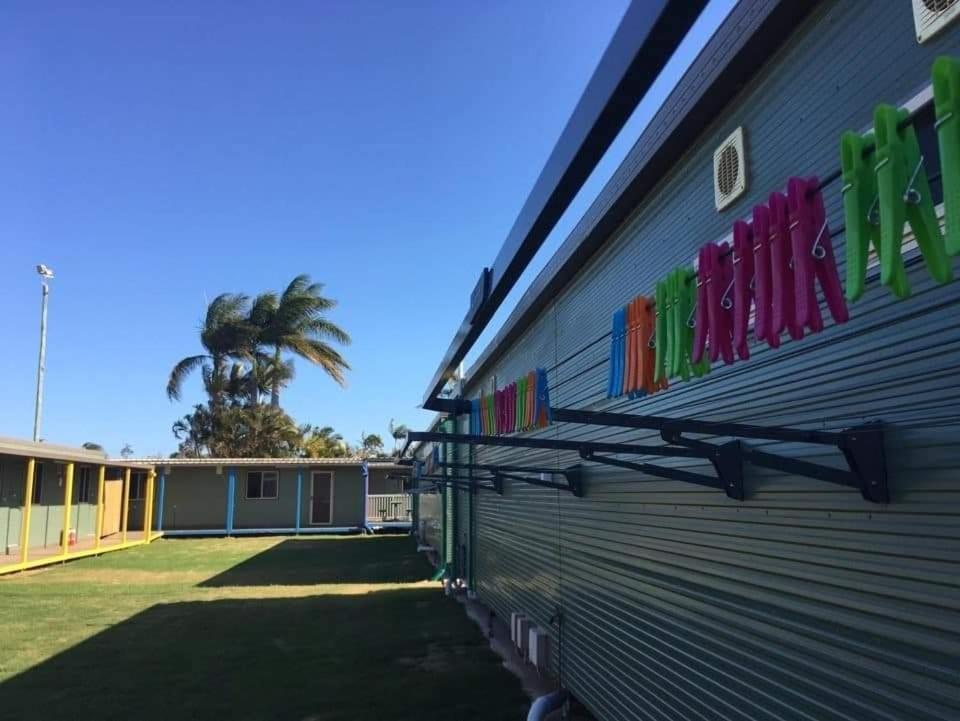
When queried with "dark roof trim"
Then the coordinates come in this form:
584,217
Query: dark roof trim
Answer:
645,40
752,32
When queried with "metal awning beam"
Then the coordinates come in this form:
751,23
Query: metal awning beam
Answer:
646,38
552,444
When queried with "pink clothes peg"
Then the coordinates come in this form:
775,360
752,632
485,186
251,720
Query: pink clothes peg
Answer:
742,261
719,281
702,324
813,255
762,286
781,268
802,237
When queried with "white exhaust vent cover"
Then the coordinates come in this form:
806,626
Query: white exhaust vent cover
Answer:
931,16
730,169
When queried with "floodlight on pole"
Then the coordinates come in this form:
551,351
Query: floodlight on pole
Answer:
46,274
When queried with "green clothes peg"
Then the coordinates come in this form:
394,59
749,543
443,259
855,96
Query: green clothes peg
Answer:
680,348
904,196
860,213
690,283
672,362
661,333
946,100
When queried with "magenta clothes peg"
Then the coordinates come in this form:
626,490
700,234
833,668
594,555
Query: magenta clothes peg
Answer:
701,322
803,236
813,253
742,261
762,285
719,283
781,269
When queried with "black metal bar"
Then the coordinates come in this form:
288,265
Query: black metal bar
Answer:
506,468
673,474
535,481
459,482
558,445
686,425
802,468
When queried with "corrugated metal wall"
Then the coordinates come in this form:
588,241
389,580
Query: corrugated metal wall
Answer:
804,601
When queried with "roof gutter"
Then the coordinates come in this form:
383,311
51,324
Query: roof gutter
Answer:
646,38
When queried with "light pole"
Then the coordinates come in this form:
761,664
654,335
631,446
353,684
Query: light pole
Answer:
45,276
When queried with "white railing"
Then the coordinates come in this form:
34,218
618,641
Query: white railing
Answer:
389,507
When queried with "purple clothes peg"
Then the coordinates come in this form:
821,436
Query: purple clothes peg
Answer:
813,255
742,261
781,268
763,286
702,323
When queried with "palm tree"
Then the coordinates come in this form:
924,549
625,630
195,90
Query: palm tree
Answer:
296,322
399,433
323,442
224,334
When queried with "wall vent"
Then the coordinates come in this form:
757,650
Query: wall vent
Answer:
730,169
931,16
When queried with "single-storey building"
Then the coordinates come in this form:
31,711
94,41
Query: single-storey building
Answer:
778,538
59,502
216,496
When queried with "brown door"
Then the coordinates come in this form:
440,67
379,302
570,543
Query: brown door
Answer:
112,502
321,497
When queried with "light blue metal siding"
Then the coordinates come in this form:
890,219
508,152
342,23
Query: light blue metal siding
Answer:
804,601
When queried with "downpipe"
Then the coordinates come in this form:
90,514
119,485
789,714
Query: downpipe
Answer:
546,705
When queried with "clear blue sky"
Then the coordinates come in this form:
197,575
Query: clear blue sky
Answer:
157,154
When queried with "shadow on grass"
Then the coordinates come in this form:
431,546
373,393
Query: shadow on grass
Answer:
305,562
403,654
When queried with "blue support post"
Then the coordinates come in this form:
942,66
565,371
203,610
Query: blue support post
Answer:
163,486
299,497
231,492
365,471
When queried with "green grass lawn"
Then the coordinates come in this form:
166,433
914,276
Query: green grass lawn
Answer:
317,629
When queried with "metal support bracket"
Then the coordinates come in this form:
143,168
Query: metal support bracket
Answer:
863,449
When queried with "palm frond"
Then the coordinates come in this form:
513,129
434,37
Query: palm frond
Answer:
321,354
180,371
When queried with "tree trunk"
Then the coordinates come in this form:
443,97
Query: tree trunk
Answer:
275,386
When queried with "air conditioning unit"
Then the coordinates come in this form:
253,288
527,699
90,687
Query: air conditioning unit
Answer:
730,169
515,628
931,16
524,625
538,648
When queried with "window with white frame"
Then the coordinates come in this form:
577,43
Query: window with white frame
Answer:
262,484
83,484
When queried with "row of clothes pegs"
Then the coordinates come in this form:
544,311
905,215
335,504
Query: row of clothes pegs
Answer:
770,273
520,406
780,255
886,188
651,339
